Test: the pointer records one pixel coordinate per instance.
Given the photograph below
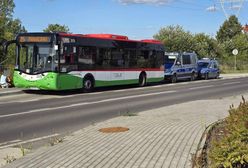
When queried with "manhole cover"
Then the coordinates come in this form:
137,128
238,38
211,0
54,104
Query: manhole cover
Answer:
113,129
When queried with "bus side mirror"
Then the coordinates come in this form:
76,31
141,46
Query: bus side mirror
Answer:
6,44
56,47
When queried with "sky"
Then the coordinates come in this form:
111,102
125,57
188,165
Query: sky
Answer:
137,19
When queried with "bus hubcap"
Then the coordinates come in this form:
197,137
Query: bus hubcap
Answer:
87,84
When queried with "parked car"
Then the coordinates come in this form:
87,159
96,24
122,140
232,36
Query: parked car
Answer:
208,68
179,66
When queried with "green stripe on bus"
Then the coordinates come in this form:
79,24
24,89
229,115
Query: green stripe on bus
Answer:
52,81
99,83
123,82
55,81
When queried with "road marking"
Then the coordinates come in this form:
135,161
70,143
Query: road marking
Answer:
231,83
201,87
86,103
10,142
19,142
25,101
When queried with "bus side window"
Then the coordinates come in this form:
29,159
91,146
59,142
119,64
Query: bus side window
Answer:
143,59
159,60
68,59
87,57
117,58
132,61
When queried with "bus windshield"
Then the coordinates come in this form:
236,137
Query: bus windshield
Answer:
37,58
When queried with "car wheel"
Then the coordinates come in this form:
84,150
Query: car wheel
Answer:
206,76
174,78
192,78
217,76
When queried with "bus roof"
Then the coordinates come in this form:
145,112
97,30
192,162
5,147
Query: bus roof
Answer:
111,37
96,36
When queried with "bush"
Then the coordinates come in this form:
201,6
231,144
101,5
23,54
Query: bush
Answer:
232,149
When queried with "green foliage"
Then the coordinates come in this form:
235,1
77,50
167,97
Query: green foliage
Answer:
56,28
205,46
232,149
229,29
9,159
229,37
175,38
9,28
6,8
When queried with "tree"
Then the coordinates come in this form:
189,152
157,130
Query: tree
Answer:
9,28
240,42
205,46
175,39
56,28
229,29
6,10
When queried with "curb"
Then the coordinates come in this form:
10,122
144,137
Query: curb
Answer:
201,146
10,92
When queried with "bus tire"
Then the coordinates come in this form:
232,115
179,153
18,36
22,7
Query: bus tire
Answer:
174,78
88,83
142,79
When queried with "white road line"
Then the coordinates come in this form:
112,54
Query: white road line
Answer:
86,103
201,87
24,101
27,141
231,83
10,142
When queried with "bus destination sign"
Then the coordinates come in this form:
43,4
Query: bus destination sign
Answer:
35,39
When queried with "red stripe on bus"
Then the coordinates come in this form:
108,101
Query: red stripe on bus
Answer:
85,36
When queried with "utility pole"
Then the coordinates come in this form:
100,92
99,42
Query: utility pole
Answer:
229,7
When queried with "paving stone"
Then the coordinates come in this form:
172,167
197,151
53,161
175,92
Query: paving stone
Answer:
164,137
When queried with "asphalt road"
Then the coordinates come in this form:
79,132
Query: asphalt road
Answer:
36,115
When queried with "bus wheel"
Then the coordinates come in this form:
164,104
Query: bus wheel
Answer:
88,84
142,79
174,78
192,78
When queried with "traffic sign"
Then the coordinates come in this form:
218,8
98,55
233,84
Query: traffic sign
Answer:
235,52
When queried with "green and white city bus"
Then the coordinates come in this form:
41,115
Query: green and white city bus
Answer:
61,61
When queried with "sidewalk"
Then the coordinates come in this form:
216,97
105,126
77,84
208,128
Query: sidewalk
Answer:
234,75
164,137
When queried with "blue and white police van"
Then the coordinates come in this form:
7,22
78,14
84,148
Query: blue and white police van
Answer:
180,66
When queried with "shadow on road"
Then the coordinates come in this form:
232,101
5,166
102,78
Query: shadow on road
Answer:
81,91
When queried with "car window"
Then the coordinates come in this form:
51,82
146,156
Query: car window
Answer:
203,64
186,59
215,65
